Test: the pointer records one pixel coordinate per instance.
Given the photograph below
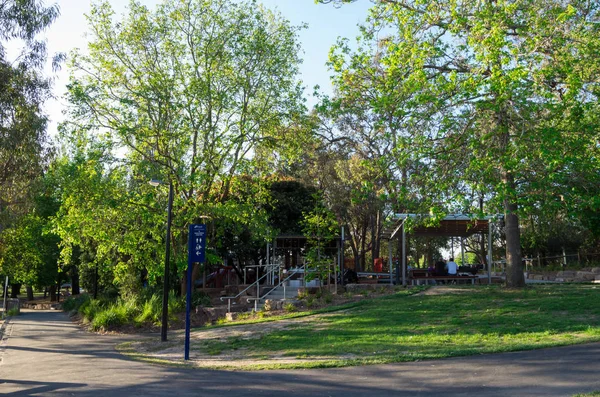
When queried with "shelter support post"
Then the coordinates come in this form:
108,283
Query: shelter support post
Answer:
403,256
269,260
342,258
390,259
489,253
462,251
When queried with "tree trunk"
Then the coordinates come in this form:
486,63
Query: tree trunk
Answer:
52,291
429,258
95,282
75,280
29,292
514,265
15,290
482,245
183,284
373,254
377,238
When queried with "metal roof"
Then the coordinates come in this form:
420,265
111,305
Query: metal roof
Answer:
457,225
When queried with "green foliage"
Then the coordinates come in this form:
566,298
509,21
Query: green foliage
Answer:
90,308
150,311
200,298
13,312
289,307
28,249
74,302
111,317
319,227
474,101
180,94
24,144
105,314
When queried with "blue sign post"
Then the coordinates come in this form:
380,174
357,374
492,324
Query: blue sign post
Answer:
196,251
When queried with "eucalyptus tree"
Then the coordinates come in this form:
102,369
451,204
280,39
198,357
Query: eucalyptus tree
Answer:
188,93
23,90
487,96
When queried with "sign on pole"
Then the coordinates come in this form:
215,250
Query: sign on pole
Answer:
196,253
196,243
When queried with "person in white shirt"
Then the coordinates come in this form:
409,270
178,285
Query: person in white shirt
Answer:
451,267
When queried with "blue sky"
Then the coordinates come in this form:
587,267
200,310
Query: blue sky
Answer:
325,24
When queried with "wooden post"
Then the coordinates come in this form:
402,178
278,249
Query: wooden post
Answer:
390,259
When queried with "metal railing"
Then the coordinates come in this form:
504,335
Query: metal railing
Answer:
257,282
282,282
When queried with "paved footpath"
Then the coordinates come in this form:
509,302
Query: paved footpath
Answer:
43,354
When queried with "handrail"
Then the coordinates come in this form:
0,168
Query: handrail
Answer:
229,298
274,288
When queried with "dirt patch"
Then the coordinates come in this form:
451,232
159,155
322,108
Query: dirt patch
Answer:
445,290
173,350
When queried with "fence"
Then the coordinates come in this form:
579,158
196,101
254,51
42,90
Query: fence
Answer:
554,262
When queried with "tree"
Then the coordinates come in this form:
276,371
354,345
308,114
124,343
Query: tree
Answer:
320,227
490,96
188,93
29,250
23,90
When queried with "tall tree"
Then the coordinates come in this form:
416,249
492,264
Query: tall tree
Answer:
497,96
188,93
23,90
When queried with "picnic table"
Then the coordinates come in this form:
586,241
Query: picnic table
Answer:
417,275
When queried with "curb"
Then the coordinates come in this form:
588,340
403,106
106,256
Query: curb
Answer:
3,338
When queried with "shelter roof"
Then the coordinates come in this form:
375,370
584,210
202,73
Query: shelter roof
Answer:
457,225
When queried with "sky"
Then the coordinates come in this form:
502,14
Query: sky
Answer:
325,24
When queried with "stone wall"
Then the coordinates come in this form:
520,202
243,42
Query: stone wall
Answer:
567,276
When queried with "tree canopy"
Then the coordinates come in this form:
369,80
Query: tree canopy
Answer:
195,93
485,99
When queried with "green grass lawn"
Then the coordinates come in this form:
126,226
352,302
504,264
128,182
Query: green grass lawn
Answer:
407,327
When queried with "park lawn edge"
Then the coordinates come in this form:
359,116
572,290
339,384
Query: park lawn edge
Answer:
577,338
323,310
127,349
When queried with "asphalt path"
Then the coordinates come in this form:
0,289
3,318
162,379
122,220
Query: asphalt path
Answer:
42,353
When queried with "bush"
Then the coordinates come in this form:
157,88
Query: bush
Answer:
13,312
73,303
289,307
90,308
112,317
200,298
150,311
105,313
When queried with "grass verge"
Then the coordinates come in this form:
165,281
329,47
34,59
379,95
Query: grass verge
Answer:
404,327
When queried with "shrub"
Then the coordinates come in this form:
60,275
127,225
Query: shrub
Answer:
289,307
13,312
111,317
73,303
200,298
150,311
90,308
